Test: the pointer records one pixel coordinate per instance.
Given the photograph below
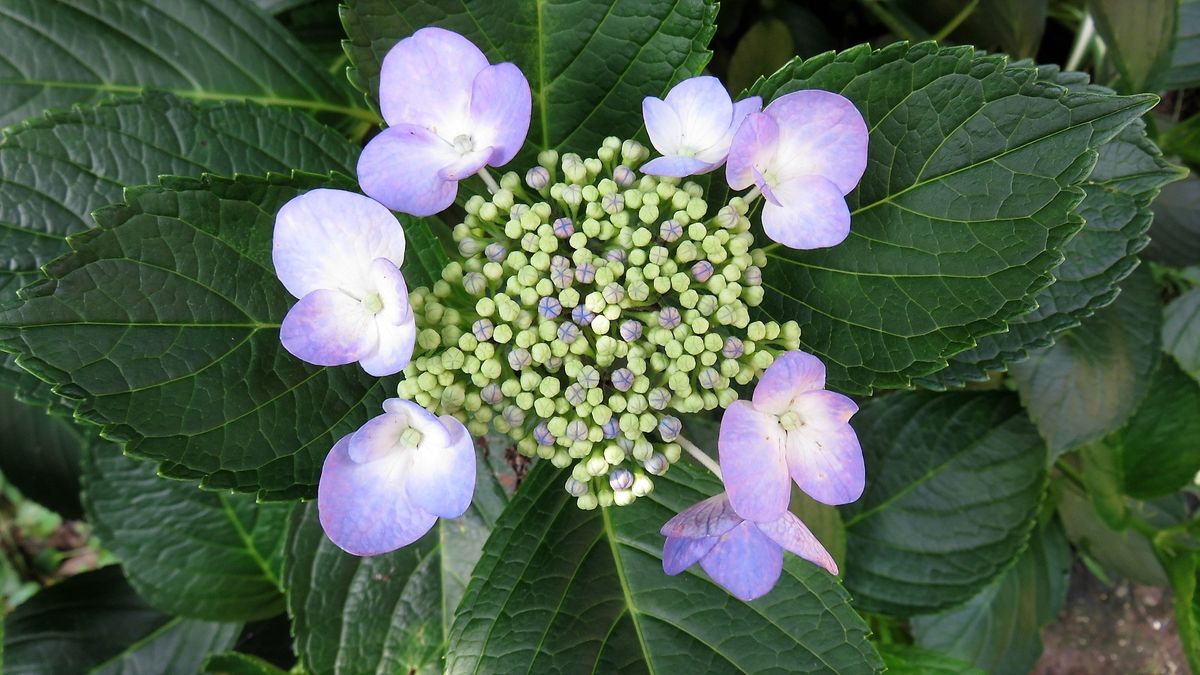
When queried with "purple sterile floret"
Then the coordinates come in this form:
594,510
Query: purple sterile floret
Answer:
630,330
669,317
582,315
693,126
449,114
563,227
622,379
549,307
568,332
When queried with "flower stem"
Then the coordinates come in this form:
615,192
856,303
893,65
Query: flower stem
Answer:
699,455
492,185
753,194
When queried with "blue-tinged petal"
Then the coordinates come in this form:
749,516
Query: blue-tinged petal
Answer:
791,374
328,238
467,164
426,80
717,152
680,553
676,166
822,409
400,168
827,463
760,181
753,147
704,110
501,105
388,282
745,562
821,134
364,508
384,434
328,328
394,350
443,476
753,463
709,518
790,533
662,125
813,214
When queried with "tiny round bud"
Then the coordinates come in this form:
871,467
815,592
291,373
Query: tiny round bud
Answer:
620,478
483,329
657,464
670,230
474,283
702,271
622,379
537,177
669,427
576,488
669,317
568,332
631,330
563,228
623,176
549,307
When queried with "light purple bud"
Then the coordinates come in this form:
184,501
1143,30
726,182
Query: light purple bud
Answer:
613,203
474,283
669,427
620,478
631,330
563,228
537,177
611,428
702,271
530,242
581,315
491,394
670,230
554,363
657,464
622,379
576,430
568,332
560,261
482,329
576,488
514,415
585,273
709,378
727,217
572,195
733,347
561,277
625,444
517,211
615,255
575,394
752,276
659,398
669,318
468,247
495,252
541,434
613,293
549,307
519,358
623,176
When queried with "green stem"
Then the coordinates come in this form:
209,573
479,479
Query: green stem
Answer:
956,21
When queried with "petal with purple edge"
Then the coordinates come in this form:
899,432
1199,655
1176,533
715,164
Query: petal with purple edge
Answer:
791,533
745,562
827,463
718,152
426,79
821,134
790,375
760,181
709,518
753,146
395,348
328,238
328,328
662,125
400,166
364,508
680,553
501,106
443,476
813,214
704,110
676,166
824,409
753,462
381,434
467,164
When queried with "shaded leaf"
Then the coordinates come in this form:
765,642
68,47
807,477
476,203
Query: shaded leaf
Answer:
40,453
1124,552
765,47
1185,62
910,660
1175,235
234,663
1139,36
1159,448
1181,331
1011,26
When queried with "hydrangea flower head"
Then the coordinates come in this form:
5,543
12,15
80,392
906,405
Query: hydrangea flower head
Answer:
792,426
449,114
743,556
693,126
385,485
806,151
340,254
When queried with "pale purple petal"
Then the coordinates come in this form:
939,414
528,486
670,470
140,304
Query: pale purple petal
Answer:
704,110
790,533
790,375
400,166
753,147
680,553
381,435
753,463
328,328
501,106
662,125
824,409
813,214
388,282
676,166
827,463
717,152
426,79
709,518
760,181
745,562
821,134
328,238
467,164
443,476
364,508
394,350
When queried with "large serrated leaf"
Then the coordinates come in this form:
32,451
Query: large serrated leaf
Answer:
974,168
56,53
953,485
163,324
202,555
386,613
1181,331
589,64
94,623
564,590
1159,450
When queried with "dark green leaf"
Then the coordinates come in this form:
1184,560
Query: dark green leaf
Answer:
999,629
40,453
953,485
564,590
1183,140
960,217
94,623
198,554
765,47
589,64
910,660
1175,235
1126,553
56,53
1185,63
1092,380
1160,447
183,273
1012,26
387,613
1181,331
233,663
1184,569
1139,36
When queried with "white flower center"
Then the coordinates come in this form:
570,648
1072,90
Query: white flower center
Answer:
463,143
791,420
411,438
373,303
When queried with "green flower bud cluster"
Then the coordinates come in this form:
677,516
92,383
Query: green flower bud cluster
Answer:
592,305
